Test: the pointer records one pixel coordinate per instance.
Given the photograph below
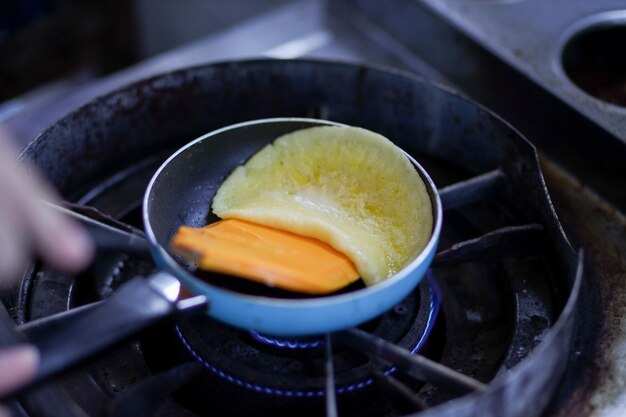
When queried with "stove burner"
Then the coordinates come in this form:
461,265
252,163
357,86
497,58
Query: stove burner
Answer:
308,350
283,343
594,60
254,387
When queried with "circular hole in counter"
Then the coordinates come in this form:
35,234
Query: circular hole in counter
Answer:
595,60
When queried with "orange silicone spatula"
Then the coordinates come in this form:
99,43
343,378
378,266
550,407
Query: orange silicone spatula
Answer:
273,257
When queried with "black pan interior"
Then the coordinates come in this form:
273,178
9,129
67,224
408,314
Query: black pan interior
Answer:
185,186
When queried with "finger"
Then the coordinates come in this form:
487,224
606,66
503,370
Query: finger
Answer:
4,412
18,365
60,241
13,245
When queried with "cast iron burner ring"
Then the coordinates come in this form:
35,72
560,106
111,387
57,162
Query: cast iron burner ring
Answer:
273,365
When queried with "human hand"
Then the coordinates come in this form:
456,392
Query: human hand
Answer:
27,227
18,365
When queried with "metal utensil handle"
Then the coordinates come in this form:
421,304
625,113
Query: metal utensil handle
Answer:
108,237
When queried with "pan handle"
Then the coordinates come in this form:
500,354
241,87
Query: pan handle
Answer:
107,237
134,307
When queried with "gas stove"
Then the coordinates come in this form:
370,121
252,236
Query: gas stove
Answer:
505,279
501,307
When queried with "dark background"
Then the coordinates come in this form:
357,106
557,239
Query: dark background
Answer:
65,42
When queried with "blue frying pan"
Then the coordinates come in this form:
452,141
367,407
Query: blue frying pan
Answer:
181,192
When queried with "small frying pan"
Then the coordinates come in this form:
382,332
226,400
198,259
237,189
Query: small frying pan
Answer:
180,193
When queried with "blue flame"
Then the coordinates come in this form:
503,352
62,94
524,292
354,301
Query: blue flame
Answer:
432,317
286,343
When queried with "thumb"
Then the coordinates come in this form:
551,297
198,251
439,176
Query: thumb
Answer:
18,365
